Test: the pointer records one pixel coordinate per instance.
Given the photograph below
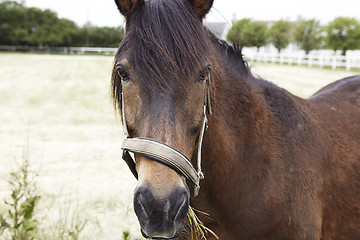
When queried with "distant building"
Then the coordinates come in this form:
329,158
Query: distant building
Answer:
219,29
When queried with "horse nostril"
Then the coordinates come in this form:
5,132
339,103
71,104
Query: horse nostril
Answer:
180,204
142,202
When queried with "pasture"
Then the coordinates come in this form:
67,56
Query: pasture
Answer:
60,107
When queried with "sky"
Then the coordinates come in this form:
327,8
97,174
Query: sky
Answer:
104,12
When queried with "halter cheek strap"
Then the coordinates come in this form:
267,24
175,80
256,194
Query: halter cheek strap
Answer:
165,154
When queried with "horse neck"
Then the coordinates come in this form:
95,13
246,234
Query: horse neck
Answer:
249,117
234,123
232,130
237,128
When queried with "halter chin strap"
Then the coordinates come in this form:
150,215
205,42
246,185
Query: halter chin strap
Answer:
165,154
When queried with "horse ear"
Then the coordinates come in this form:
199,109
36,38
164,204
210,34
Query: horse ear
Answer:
127,7
202,7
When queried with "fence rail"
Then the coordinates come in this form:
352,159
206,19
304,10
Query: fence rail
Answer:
61,50
322,60
82,50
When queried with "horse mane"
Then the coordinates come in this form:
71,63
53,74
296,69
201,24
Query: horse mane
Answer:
235,56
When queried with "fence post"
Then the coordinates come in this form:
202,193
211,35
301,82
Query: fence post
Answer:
299,59
334,62
310,59
348,63
290,60
321,61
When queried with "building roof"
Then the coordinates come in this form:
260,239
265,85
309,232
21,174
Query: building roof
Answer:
219,29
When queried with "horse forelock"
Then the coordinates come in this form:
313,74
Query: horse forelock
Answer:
167,43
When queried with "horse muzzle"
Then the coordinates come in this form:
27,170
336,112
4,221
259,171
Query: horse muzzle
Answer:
161,218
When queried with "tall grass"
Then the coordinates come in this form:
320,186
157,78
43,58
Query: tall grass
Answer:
19,222
20,219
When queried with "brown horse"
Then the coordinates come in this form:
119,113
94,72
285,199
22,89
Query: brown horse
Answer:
276,166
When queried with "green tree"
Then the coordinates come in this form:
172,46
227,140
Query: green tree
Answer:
91,36
105,36
246,33
343,34
69,31
280,34
32,26
12,29
308,34
46,29
236,32
256,34
35,27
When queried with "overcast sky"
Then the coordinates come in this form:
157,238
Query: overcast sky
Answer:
105,13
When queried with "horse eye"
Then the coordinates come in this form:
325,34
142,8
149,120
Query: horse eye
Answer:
123,74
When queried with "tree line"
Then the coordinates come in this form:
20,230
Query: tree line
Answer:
20,25
343,33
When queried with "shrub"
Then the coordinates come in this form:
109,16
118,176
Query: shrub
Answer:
20,223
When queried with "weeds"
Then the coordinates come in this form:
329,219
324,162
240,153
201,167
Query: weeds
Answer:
67,225
19,223
126,235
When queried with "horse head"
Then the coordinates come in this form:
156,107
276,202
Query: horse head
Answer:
160,84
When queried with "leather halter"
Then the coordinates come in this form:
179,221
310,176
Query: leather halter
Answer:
165,154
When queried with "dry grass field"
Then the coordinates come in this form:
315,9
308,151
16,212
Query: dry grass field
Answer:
59,106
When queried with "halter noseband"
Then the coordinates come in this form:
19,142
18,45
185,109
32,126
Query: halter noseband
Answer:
165,154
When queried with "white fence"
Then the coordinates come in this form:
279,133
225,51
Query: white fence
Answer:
83,50
350,61
61,50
